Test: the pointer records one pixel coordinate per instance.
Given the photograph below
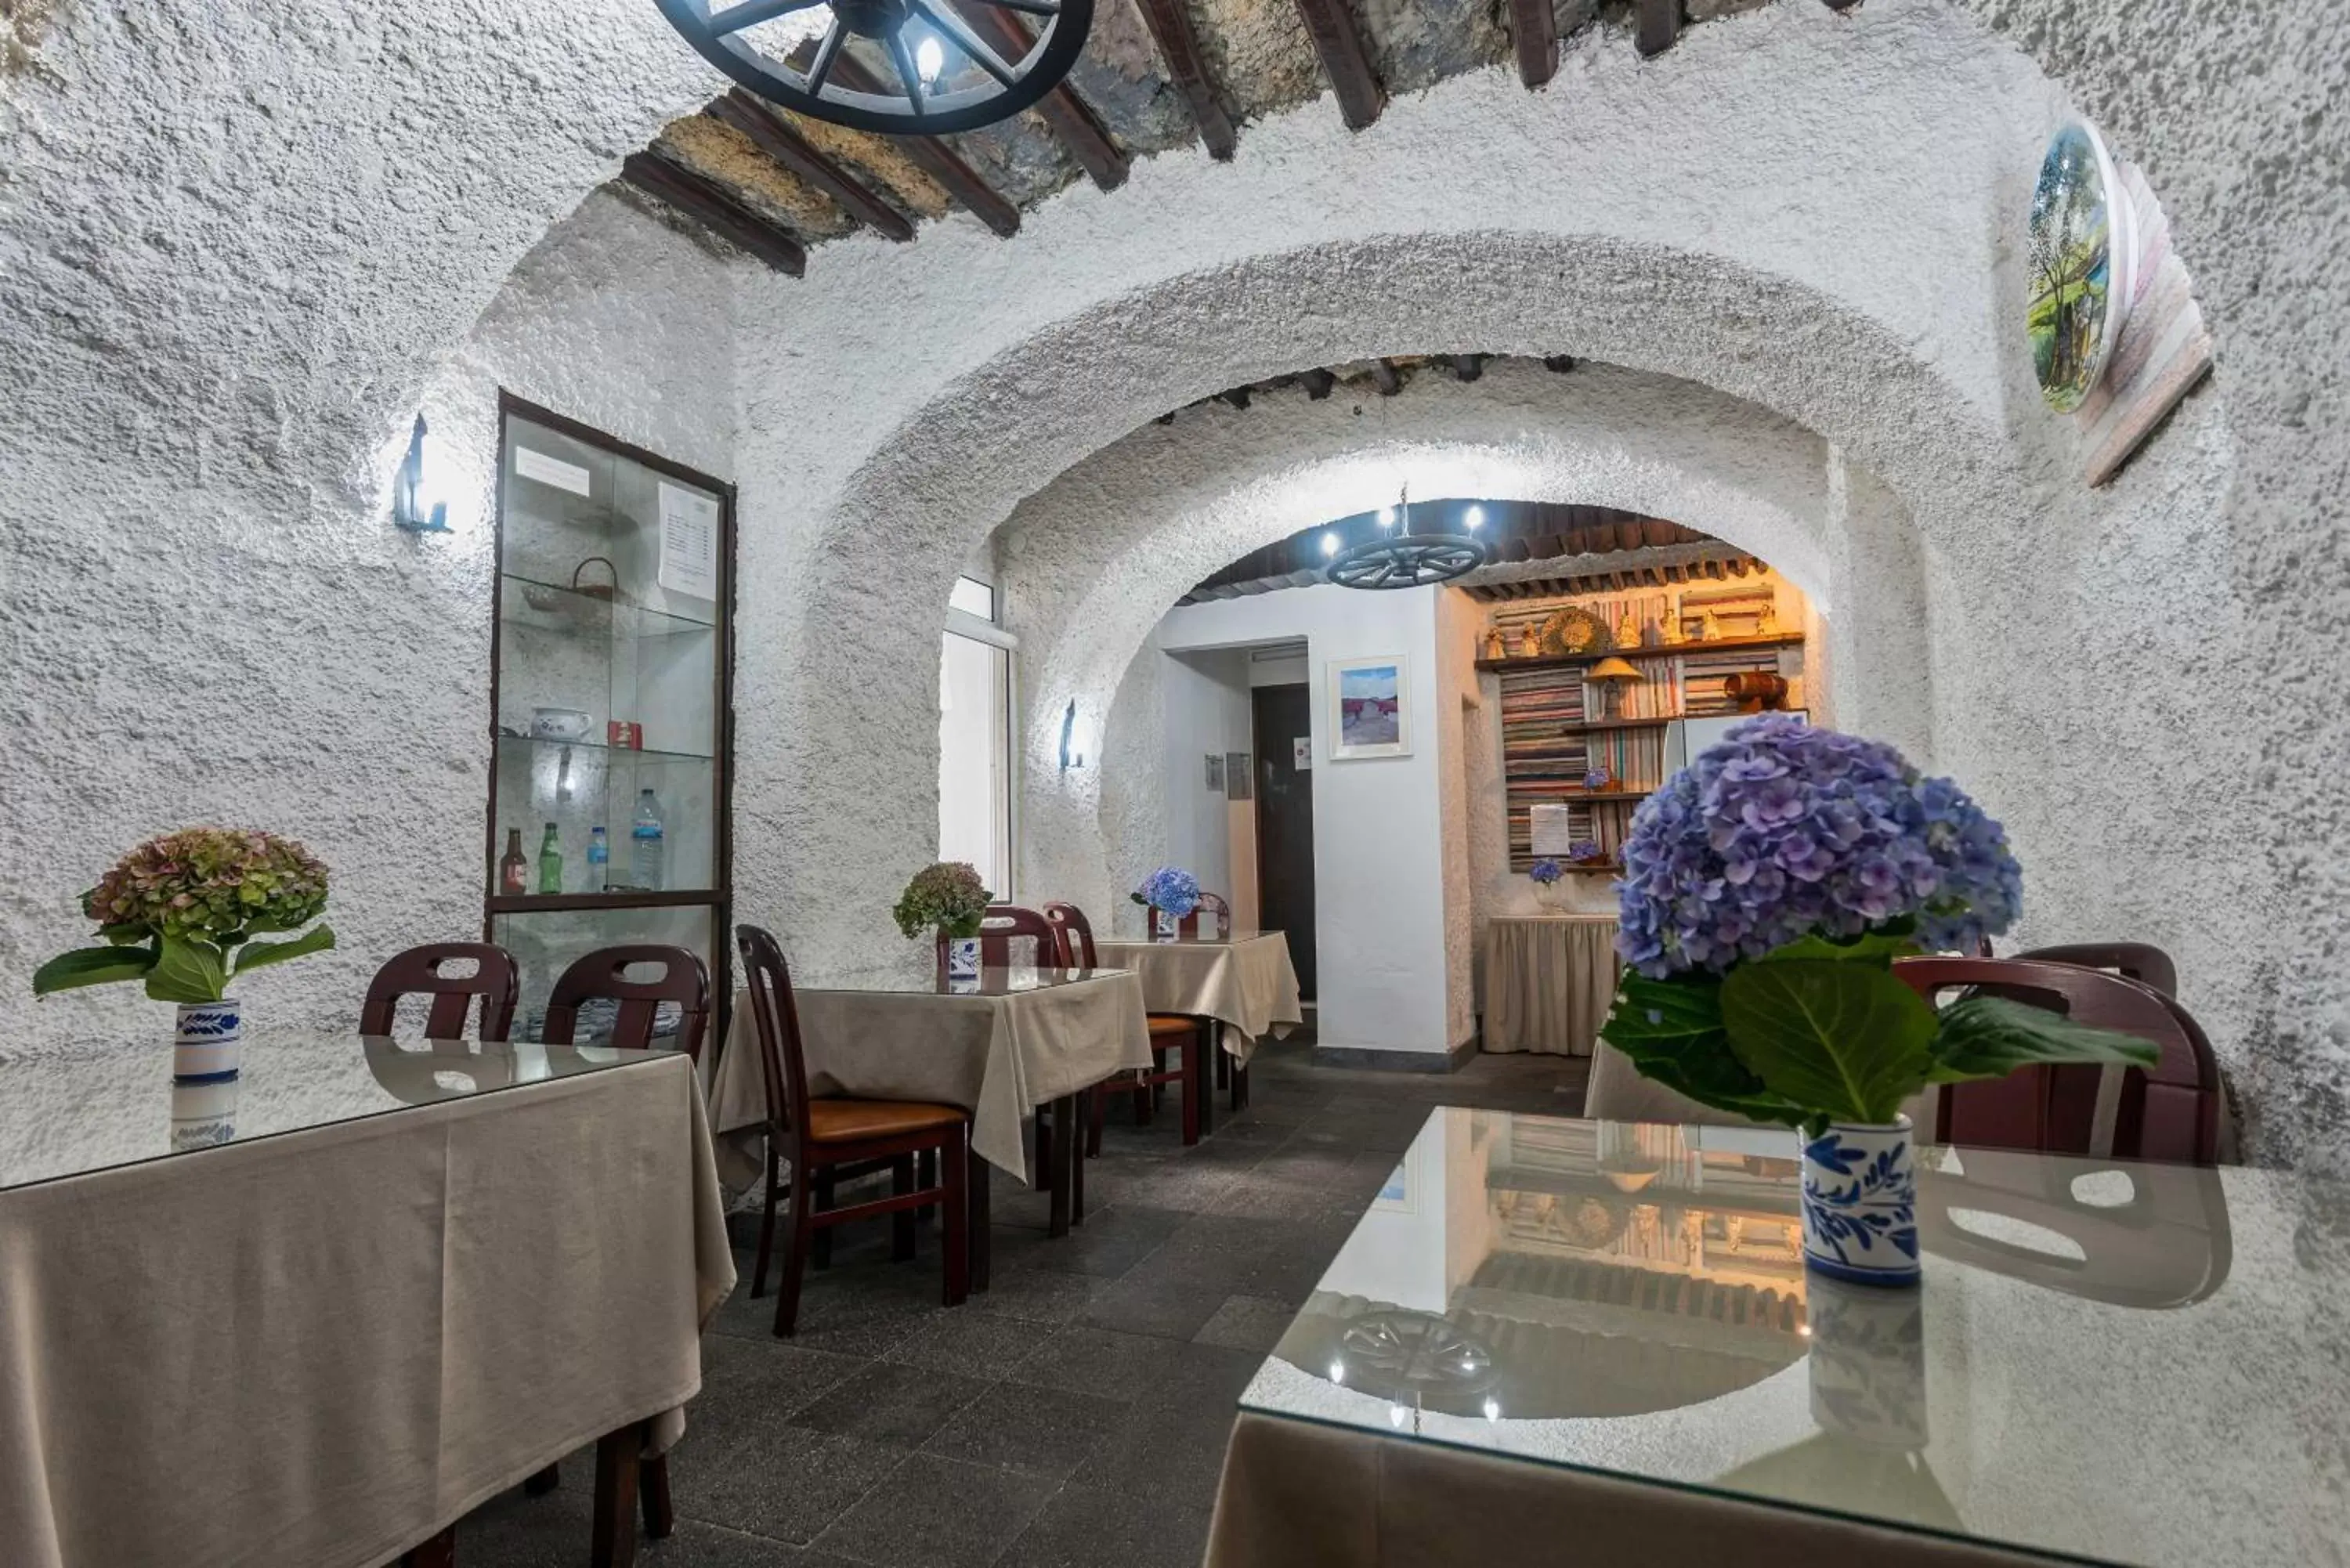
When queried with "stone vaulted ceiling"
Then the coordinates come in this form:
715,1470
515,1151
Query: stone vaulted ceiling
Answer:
1155,75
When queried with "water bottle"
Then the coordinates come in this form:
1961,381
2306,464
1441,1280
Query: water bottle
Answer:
646,849
599,860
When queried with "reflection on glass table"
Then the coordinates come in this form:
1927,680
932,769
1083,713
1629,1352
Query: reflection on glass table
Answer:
2110,1360
97,1108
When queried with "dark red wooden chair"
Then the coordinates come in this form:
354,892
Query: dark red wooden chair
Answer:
2147,964
497,980
1212,908
814,1136
602,976
2171,1112
1002,925
1169,1032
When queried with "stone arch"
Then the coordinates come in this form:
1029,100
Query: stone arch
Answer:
880,563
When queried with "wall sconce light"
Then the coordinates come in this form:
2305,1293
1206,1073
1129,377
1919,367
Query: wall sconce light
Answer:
408,513
1070,756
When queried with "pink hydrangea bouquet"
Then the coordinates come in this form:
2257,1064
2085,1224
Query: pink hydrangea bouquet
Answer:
182,913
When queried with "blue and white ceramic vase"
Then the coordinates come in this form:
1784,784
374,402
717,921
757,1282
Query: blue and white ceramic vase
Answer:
1165,925
204,1114
1860,1204
210,1045
962,959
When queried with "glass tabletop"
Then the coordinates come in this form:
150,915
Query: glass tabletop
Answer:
87,1110
1011,980
2108,1361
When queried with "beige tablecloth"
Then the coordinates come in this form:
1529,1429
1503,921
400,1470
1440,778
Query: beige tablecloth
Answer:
1549,979
319,1349
1296,1493
997,1056
1248,984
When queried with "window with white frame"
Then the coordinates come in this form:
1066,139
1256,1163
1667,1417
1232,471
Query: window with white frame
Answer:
975,757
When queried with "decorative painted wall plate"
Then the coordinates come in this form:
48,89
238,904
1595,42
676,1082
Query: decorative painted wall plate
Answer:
1574,629
2078,258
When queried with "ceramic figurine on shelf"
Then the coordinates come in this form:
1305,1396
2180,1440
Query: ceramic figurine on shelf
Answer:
1495,647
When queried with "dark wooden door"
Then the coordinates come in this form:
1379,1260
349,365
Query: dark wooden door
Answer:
1285,822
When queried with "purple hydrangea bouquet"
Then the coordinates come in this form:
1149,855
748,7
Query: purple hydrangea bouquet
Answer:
1170,890
184,914
1171,894
1767,890
1544,871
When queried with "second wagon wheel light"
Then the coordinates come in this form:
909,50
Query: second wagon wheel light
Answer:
947,76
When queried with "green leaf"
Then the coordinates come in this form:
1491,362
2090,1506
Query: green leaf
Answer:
1879,948
130,931
1670,1030
1846,1041
1991,1036
188,971
317,940
91,966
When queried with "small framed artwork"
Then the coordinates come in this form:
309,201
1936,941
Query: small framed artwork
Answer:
1368,713
1239,782
1216,772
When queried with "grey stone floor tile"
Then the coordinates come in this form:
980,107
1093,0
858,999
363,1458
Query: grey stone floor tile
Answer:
890,1402
1020,1427
934,1512
1140,1304
787,1484
976,1340
1099,1361
1165,1456
1247,1322
1088,1527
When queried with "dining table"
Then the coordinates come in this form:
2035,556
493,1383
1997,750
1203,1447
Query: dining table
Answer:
1548,1331
1005,1045
313,1314
1549,979
1242,980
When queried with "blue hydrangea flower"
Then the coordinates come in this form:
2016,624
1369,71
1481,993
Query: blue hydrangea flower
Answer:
1546,871
1175,891
1784,830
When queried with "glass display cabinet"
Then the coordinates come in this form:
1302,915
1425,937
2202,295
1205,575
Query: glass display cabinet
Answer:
611,662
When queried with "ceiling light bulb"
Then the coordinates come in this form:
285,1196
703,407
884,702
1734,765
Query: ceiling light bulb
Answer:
1387,517
929,59
1338,1372
1329,543
1493,1409
1476,518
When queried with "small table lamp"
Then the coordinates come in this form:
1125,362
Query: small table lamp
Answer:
1610,675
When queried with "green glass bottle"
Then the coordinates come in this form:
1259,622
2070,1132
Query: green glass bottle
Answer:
550,863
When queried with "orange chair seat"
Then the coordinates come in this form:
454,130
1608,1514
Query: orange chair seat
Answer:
847,1121
1173,1023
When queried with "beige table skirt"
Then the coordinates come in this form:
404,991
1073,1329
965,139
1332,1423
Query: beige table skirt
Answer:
1549,980
1295,1494
997,1056
1248,985
320,1349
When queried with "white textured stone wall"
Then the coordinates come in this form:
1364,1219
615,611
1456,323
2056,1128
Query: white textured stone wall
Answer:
237,242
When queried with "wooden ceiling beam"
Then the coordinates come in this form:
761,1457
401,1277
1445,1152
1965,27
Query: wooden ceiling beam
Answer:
767,132
1558,364
710,204
1345,60
1317,383
1655,25
1066,114
1169,22
1534,27
1238,397
936,159
1390,379
1468,366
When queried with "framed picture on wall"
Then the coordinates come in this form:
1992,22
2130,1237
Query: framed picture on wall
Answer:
1368,713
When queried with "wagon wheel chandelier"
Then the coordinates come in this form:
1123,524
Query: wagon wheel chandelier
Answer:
933,92
1404,559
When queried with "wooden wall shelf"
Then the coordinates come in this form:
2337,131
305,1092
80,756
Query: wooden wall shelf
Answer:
1720,645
